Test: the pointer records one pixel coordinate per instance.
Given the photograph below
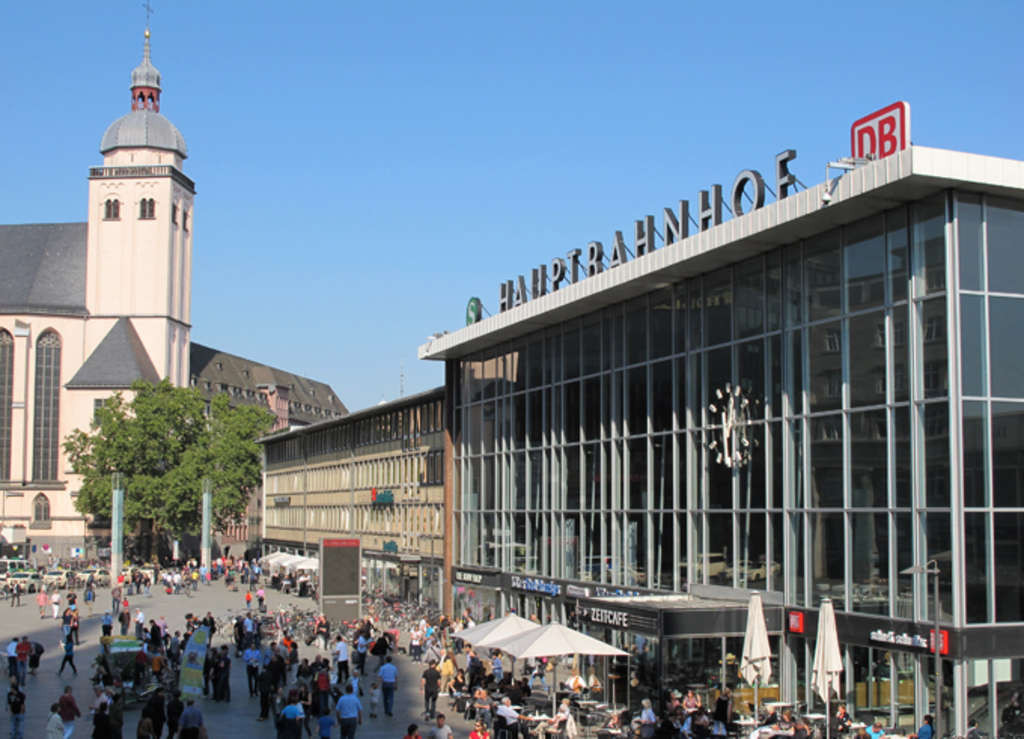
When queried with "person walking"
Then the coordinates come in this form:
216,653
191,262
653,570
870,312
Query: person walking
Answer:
140,625
341,655
54,724
251,657
441,730
69,656
42,600
68,710
24,652
125,618
101,728
16,707
388,675
265,683
430,686
16,595
156,711
12,657
350,713
191,720
174,710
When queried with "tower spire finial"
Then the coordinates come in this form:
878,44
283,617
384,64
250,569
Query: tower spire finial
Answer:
145,48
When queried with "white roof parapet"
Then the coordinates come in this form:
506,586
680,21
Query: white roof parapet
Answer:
909,175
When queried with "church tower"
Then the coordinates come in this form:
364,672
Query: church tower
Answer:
139,242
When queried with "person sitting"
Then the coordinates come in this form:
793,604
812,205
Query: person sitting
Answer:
515,722
927,730
576,683
875,731
784,726
842,721
558,724
594,688
482,705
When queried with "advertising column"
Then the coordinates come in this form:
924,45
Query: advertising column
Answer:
340,579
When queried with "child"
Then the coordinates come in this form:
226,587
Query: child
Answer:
376,697
326,723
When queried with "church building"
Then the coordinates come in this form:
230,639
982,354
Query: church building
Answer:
88,308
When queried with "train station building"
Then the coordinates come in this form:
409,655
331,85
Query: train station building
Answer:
806,399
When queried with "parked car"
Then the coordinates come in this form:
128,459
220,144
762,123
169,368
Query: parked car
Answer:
101,578
31,582
60,579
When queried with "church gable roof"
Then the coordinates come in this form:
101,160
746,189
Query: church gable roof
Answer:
42,268
118,361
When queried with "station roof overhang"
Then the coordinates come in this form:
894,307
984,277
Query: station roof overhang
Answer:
913,174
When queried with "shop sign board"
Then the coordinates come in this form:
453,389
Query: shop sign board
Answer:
536,585
577,591
618,618
881,134
913,641
470,577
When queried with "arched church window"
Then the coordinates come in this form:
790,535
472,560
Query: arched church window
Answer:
47,407
6,396
41,508
147,208
112,210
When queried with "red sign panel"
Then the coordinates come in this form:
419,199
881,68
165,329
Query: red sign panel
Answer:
943,641
882,133
796,622
341,542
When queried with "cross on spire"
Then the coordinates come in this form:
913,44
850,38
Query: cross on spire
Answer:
149,12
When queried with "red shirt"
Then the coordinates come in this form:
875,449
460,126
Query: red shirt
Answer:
67,708
24,649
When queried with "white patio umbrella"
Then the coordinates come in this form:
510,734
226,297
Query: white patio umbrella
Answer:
828,662
275,557
308,563
756,660
556,640
495,630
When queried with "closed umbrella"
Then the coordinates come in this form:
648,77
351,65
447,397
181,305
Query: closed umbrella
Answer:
756,660
828,662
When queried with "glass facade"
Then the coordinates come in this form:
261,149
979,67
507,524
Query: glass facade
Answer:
809,421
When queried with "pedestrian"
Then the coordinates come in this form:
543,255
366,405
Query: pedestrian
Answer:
12,657
251,657
248,600
174,710
341,655
90,596
42,600
412,732
16,707
24,651
388,675
430,686
55,604
125,618
376,697
289,721
441,730
68,710
101,727
350,713
156,712
74,622
326,723
191,720
34,657
323,631
16,595
54,724
140,625
265,683
69,656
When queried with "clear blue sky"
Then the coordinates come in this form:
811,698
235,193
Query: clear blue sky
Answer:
363,168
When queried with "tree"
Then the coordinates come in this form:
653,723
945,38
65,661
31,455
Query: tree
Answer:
165,443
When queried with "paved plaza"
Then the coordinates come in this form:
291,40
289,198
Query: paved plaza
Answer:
223,720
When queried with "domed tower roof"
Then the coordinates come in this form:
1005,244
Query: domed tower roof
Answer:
144,126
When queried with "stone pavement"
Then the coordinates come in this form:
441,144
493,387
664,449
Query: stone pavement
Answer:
223,720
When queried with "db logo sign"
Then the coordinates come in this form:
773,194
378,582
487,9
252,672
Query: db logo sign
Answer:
882,133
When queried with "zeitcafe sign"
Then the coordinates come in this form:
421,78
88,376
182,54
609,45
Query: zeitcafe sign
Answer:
875,136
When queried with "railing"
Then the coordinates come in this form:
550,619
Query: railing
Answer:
155,170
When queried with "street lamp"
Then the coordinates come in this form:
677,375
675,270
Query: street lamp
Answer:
932,568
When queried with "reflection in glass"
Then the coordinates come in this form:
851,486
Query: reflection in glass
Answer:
936,454
973,354
637,478
591,346
1005,222
571,352
749,299
1008,536
868,469
869,557
793,289
661,323
571,474
719,374
975,453
661,396
1007,366
572,412
680,319
822,274
976,566
864,253
750,356
826,370
773,290
718,562
826,462
718,306
827,541
636,393
752,561
867,359
930,241
896,244
591,408
636,331
933,336
968,216
1008,454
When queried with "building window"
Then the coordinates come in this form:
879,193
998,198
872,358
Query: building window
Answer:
174,214
184,219
112,210
6,391
147,209
47,408
41,509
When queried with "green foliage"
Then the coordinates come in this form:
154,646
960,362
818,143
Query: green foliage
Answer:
165,444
